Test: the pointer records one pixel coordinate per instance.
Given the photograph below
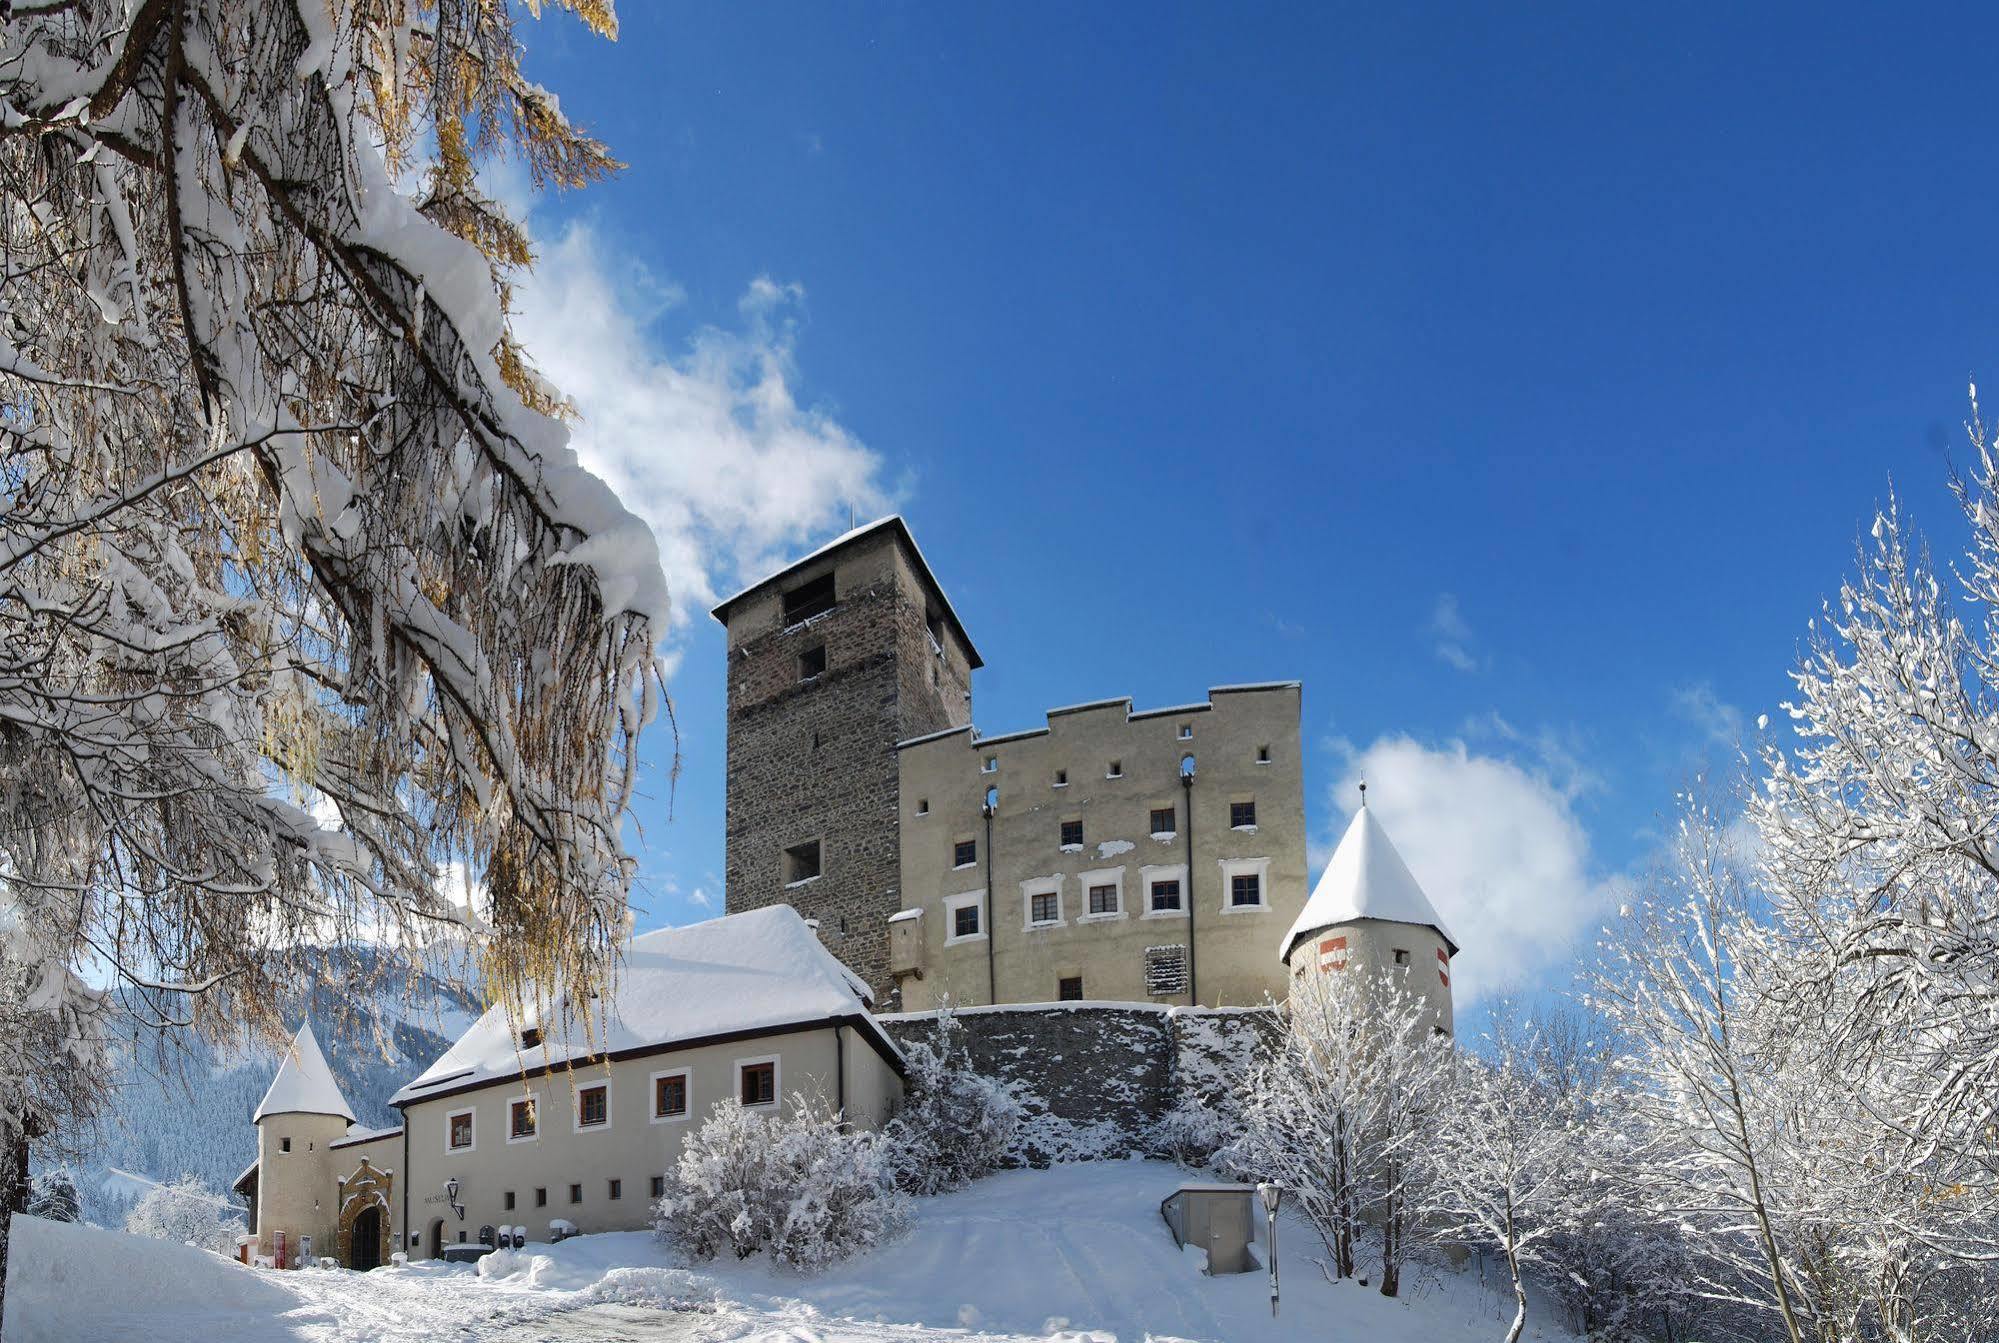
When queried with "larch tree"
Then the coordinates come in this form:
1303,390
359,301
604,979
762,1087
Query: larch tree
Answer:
303,594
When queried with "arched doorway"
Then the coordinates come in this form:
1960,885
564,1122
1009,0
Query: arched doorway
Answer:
435,1240
367,1242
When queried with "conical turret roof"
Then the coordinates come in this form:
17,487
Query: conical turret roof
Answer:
1366,879
304,1084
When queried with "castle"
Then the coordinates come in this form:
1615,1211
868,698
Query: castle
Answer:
882,855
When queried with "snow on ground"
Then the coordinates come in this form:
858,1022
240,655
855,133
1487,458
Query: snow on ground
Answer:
1076,1254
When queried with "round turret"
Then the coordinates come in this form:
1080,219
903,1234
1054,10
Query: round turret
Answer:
301,1115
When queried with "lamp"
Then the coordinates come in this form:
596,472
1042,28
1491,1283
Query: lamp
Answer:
451,1197
1271,1194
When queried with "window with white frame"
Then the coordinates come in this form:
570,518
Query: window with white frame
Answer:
1103,894
964,917
1245,885
459,1132
757,1082
670,1095
1042,899
523,1119
1164,891
593,1106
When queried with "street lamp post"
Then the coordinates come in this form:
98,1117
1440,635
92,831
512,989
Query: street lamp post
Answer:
1271,1194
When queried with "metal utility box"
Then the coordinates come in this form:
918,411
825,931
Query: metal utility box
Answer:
1218,1218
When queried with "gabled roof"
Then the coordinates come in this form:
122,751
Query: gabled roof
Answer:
304,1084
1366,879
894,522
761,971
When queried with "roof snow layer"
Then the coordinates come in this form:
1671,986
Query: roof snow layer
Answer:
760,969
304,1084
1366,879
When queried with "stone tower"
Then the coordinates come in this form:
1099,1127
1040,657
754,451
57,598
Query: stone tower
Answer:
297,1121
832,661
1368,913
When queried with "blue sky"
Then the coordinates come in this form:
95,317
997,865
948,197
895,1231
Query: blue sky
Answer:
1520,381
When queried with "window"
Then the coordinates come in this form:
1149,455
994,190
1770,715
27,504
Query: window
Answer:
1263,755
1044,907
812,662
1103,900
964,917
1069,990
1245,888
284,1144
458,1133
461,1238
530,1037
922,806
801,862
1165,820
617,1189
934,622
593,1105
669,1095
1072,833
1116,771
659,1186
1245,885
1242,814
521,1119
964,853
575,1193
1165,895
758,1080
810,598
1186,732
1061,778
510,1200
1401,956
965,921
541,1198
990,765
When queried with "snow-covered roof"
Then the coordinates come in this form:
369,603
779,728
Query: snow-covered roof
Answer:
923,569
304,1084
243,1180
357,1133
761,969
1366,879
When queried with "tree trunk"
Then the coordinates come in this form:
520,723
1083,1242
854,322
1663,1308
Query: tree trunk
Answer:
13,1196
1519,1289
1391,1238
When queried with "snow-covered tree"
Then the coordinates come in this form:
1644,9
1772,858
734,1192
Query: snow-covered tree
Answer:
186,1212
303,594
799,1185
1501,1162
56,1197
955,1123
1339,1110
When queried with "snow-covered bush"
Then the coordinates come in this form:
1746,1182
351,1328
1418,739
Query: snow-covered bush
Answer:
185,1212
798,1186
956,1123
55,1197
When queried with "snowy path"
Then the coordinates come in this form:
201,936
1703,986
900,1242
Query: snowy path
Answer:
1076,1254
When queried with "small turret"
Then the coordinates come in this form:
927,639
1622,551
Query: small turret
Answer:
1369,913
300,1116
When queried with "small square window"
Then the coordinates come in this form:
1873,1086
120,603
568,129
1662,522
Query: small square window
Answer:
617,1189
1401,956
759,1084
510,1200
1242,814
812,662
922,806
659,1186
1045,907
801,862
1263,755
1165,820
1186,732
669,1096
1116,771
1069,990
575,1193
965,921
990,765
284,1144
541,1198
964,853
1166,894
1061,778
1072,833
1103,899
1245,889
593,1106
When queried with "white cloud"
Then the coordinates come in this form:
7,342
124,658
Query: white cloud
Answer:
1719,722
701,898
707,442
1496,845
1453,634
